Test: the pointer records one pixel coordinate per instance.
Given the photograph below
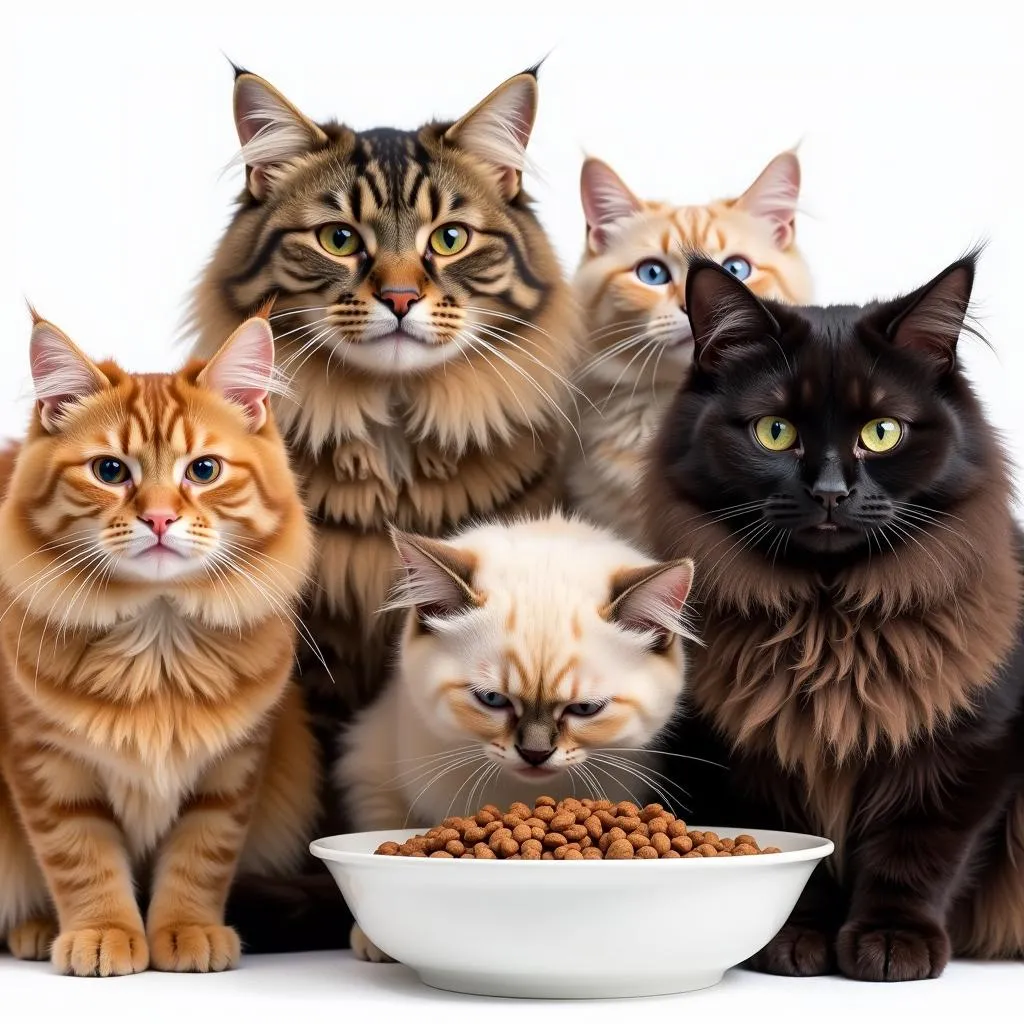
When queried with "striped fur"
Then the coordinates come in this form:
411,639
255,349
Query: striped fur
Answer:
639,336
149,728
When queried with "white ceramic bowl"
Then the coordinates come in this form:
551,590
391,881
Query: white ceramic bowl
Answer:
571,929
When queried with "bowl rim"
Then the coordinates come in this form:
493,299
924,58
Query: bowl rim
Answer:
818,848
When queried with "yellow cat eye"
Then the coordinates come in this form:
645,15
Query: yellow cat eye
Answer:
449,239
775,433
881,435
340,239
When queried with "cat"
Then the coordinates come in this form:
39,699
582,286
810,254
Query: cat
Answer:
530,653
424,321
630,283
153,549
847,504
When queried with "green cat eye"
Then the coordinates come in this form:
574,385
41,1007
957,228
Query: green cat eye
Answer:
110,471
881,435
449,239
340,239
775,433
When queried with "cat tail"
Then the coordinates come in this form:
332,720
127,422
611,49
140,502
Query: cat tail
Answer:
299,914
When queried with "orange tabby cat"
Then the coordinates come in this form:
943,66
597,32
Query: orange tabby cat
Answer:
152,547
630,285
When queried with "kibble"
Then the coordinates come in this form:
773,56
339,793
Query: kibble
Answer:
571,829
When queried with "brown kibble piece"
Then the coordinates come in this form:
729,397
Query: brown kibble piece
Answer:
771,849
594,827
474,834
456,848
484,852
547,855
492,826
574,833
562,821
531,849
724,853
455,823
417,853
651,811
492,810
747,841
670,855
625,809
573,855
538,833
498,835
544,812
522,832
656,825
682,844
388,849
676,828
553,839
442,853
661,843
647,853
606,818
727,844
629,823
521,810
620,849
483,818
697,837
638,840
546,801
692,853
603,805
507,847
560,852
582,813
593,853
534,822
711,837
511,820
707,850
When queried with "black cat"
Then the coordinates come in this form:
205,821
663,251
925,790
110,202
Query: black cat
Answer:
860,588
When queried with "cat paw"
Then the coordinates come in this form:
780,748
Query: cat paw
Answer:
195,948
100,952
32,940
892,951
796,952
364,949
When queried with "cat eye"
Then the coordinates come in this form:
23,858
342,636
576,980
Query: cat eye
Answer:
449,239
584,708
111,471
492,699
738,266
340,239
775,433
653,272
204,470
881,435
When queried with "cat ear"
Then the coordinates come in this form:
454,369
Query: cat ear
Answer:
62,373
243,370
497,130
936,314
438,577
606,200
651,598
270,129
723,311
773,197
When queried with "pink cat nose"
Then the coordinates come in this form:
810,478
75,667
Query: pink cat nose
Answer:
399,300
158,520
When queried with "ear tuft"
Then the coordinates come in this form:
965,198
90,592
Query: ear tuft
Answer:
271,130
497,130
62,374
437,577
243,371
651,599
606,201
774,196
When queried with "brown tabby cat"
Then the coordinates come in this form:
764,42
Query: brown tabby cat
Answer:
152,547
427,330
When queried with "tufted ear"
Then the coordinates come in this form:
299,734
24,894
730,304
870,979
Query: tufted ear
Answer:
773,197
497,130
437,578
934,316
606,201
242,371
272,131
61,373
651,599
723,311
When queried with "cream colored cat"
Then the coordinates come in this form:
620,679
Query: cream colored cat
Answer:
631,285
530,653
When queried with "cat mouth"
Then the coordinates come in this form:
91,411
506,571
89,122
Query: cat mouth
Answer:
529,771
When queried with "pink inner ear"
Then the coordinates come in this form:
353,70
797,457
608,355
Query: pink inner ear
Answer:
774,196
242,371
605,198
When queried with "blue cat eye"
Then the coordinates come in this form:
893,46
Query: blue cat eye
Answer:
111,471
492,699
584,708
738,266
653,272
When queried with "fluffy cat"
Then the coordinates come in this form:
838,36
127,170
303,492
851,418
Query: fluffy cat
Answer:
834,474
153,547
631,284
424,322
530,652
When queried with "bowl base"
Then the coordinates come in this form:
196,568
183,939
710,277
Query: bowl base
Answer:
534,987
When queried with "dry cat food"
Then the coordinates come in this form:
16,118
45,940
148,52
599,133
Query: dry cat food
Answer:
571,829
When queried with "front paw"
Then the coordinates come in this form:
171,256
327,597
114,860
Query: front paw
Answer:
892,950
100,952
32,940
195,948
796,952
364,949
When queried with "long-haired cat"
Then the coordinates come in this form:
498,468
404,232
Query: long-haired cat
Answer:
531,653
848,505
153,548
631,285
425,325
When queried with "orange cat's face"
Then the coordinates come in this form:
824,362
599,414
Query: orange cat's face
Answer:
632,280
158,481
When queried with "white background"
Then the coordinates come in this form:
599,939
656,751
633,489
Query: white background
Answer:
116,128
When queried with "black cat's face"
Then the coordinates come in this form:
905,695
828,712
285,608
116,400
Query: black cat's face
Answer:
813,432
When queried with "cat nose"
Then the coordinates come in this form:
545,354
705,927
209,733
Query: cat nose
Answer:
534,757
830,489
398,299
158,520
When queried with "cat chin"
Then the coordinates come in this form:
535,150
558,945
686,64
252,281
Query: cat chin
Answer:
396,353
824,541
157,566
